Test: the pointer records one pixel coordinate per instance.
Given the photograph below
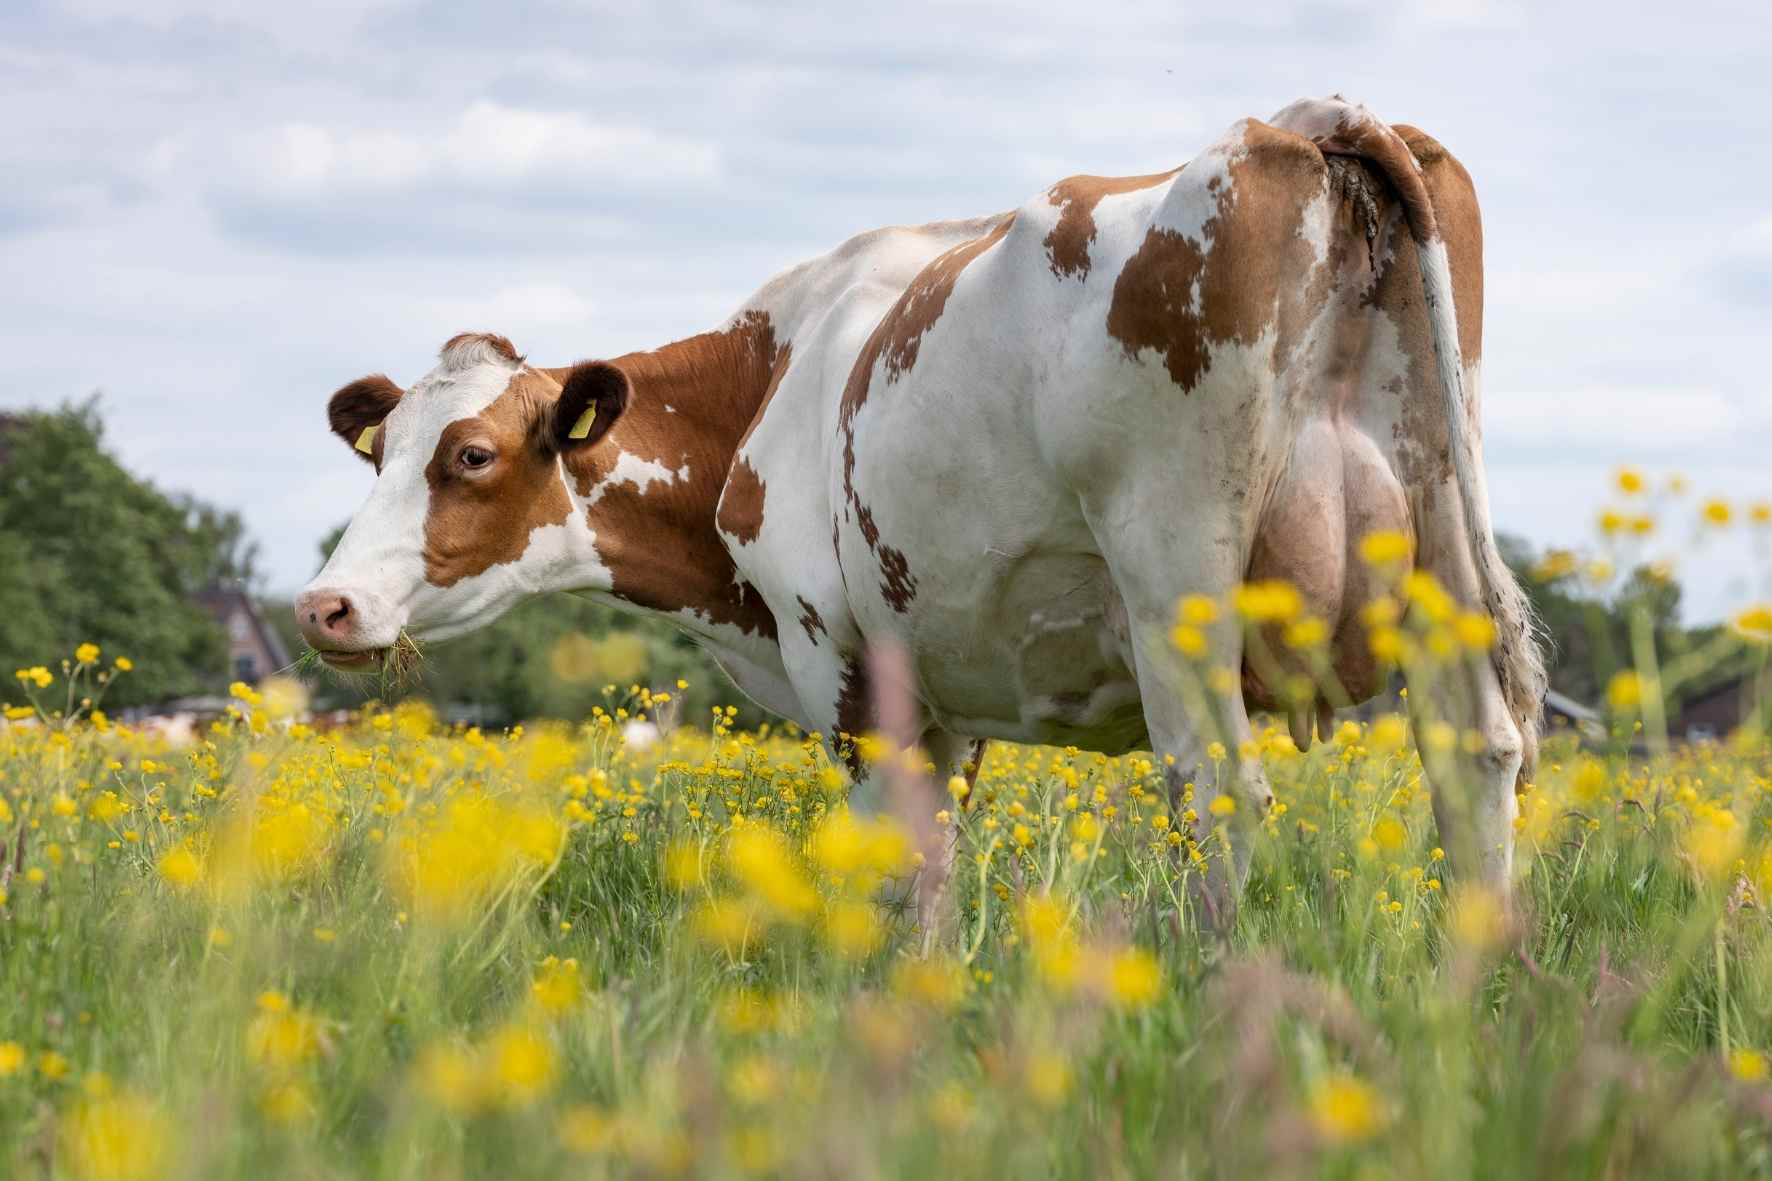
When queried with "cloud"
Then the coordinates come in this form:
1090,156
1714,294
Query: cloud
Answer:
1743,272
323,19
1622,422
227,210
488,147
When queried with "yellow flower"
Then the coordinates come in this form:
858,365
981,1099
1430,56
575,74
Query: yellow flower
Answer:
1190,641
288,1103
1755,623
1747,1065
760,859
1047,1077
1223,805
1389,732
36,675
1345,1109
12,1058
1430,598
449,1075
1133,979
1474,630
1478,919
118,1138
1273,601
1624,691
1717,512
1629,480
52,1066
1309,632
86,654
1196,610
1384,547
1556,563
853,929
1387,645
1389,834
281,1037
180,867
587,1130
1713,844
521,1064
938,983
123,664
557,986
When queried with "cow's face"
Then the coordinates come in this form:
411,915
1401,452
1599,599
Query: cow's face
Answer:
470,511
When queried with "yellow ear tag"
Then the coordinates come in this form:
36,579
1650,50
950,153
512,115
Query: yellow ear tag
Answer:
582,428
366,440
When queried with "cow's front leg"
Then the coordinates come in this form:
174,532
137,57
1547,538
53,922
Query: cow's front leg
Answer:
909,780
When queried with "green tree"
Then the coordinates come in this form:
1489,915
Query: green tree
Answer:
1589,628
90,553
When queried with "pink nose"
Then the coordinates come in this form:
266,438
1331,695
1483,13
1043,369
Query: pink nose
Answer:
326,618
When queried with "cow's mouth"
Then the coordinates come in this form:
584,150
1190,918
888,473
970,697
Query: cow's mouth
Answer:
354,661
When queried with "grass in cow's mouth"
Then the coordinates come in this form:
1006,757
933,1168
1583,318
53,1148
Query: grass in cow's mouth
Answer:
307,663
399,664
396,668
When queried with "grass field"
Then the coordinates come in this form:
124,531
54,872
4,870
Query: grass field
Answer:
403,950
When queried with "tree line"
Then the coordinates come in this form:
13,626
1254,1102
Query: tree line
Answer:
90,552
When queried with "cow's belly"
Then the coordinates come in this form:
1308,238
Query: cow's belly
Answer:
1037,654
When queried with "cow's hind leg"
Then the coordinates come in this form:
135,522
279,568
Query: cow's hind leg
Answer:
1193,706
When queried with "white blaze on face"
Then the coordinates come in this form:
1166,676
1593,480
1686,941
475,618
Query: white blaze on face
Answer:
379,564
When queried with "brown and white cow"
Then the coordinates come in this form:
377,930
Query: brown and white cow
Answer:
1007,446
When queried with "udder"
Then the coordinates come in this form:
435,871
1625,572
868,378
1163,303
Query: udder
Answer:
1337,488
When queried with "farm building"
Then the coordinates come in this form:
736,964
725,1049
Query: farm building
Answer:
255,650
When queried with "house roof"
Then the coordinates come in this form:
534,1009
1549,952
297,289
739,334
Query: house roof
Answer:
222,601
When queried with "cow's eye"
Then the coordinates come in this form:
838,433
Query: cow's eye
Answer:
473,458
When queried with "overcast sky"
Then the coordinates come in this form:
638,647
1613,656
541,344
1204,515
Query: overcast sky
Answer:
219,211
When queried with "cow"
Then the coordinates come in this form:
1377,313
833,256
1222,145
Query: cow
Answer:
1007,447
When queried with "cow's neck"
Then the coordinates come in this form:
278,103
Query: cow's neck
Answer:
653,486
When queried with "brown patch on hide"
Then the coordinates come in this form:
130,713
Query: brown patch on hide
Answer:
1251,268
661,542
740,515
896,341
1067,246
478,520
855,708
811,621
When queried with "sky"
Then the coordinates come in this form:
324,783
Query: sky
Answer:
217,212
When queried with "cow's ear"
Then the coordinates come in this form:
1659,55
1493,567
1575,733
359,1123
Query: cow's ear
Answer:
356,413
591,398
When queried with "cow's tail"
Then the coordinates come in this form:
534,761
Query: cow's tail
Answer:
1339,127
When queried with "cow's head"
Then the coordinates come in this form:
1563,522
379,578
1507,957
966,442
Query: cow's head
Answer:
471,509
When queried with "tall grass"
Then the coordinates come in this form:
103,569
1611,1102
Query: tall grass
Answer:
403,950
